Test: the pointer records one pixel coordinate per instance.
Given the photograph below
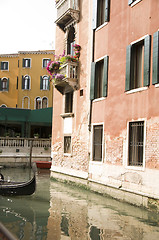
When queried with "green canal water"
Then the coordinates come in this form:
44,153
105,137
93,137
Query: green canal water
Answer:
59,211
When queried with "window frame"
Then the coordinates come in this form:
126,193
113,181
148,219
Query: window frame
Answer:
106,10
140,168
94,66
42,83
28,82
67,153
43,61
28,102
6,89
92,144
24,61
36,102
2,65
42,102
146,62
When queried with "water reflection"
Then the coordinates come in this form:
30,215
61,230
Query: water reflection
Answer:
59,211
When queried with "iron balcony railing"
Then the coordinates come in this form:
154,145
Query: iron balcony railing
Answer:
67,11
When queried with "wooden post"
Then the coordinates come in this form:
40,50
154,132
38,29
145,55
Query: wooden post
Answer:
31,146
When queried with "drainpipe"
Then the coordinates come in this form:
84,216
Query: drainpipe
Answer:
90,107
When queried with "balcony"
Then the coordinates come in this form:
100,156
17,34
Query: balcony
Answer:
67,12
70,71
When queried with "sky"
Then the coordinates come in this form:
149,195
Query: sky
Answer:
27,25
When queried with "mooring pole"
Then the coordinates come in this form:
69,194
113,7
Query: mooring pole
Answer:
31,146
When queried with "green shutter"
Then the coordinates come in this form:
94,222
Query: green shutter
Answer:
28,84
23,63
147,53
29,62
41,83
128,68
48,88
92,86
155,58
0,85
94,20
105,79
8,84
107,10
22,82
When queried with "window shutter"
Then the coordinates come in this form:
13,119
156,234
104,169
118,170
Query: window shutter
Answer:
0,85
107,10
128,68
22,82
105,79
130,2
8,84
41,83
94,20
147,52
92,87
48,87
155,57
29,63
28,83
23,63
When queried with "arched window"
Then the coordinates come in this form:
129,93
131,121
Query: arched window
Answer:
4,84
26,103
38,103
26,82
3,106
71,41
44,102
44,83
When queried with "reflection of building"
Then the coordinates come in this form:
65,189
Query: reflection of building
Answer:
108,133
24,84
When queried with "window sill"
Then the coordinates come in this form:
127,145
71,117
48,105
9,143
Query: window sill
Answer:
136,2
137,90
65,115
99,99
101,26
67,155
5,70
135,168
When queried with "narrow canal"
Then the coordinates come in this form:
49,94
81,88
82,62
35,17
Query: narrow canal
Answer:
59,211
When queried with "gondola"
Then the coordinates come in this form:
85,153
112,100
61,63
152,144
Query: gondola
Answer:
18,188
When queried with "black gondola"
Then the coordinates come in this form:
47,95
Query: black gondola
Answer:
18,188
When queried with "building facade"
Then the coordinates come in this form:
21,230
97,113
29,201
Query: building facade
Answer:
115,123
25,85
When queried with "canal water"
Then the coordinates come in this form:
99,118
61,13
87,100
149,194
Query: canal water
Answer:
62,212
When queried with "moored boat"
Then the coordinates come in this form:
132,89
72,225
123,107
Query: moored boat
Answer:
18,188
43,164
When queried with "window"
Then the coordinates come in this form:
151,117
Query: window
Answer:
136,143
71,41
3,106
97,142
100,12
26,103
26,82
69,102
45,62
4,84
38,103
138,64
44,102
26,62
67,144
155,65
99,79
44,83
4,66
